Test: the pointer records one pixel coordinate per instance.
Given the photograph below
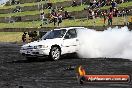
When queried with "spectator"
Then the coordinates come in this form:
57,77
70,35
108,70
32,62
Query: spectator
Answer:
105,16
103,3
49,5
96,13
88,14
34,37
108,2
66,15
54,16
42,17
91,3
127,11
122,1
110,17
111,9
24,37
123,12
93,14
61,9
94,3
74,3
30,34
97,4
115,12
14,2
113,4
17,9
59,18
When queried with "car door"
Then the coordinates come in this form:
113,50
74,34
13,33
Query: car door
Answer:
70,42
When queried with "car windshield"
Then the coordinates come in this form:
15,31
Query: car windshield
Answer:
54,34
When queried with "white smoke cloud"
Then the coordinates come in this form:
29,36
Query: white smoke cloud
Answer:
112,43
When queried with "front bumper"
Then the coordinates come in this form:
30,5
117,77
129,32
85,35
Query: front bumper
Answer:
35,52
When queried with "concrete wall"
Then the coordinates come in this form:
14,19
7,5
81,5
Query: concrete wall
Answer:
98,28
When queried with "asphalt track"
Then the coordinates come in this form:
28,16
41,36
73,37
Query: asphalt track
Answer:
17,72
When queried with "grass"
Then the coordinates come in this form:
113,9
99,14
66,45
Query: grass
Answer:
10,36
76,8
33,24
65,23
31,4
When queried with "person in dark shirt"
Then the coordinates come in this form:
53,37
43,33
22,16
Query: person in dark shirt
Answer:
59,18
105,16
113,4
110,17
24,37
66,15
54,16
74,3
49,5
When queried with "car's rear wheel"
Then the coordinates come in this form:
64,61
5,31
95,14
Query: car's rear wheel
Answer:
55,53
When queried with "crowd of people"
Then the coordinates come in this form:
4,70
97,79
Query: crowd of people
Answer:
107,14
100,3
14,2
95,12
57,15
29,36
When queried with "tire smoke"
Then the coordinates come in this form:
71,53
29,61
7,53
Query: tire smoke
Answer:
111,43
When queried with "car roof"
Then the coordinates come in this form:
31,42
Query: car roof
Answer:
68,28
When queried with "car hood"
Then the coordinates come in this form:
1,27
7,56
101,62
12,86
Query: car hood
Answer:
44,42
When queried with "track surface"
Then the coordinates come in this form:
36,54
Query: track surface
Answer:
16,71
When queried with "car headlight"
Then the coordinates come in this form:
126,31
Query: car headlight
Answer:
40,46
35,47
22,48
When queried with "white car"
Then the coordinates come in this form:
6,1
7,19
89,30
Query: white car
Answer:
53,44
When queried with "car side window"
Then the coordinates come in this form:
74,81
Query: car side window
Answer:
71,34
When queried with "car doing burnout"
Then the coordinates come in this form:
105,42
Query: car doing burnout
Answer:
53,44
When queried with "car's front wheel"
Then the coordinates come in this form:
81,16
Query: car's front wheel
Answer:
55,53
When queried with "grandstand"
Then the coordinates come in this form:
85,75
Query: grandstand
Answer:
30,10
